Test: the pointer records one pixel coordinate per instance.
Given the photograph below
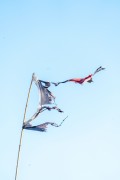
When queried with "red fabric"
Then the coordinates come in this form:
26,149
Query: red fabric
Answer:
81,80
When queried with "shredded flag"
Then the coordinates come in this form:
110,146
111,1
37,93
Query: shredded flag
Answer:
40,110
42,127
46,97
81,80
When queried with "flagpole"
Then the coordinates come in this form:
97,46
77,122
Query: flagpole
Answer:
16,173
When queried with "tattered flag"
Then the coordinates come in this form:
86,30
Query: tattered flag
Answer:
46,97
40,110
41,127
81,80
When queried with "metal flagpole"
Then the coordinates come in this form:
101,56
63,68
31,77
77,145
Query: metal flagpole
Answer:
16,173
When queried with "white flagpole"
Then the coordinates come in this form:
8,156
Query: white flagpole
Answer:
16,173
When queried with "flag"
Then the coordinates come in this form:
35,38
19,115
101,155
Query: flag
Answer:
41,109
45,96
81,80
42,127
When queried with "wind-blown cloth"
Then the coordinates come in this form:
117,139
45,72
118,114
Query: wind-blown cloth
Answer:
45,97
41,109
81,80
42,127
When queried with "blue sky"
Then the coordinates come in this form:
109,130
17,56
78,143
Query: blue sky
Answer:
58,41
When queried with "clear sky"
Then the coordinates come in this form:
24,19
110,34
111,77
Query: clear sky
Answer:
59,40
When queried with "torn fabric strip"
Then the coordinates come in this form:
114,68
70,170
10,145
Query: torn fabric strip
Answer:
46,97
42,127
81,80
